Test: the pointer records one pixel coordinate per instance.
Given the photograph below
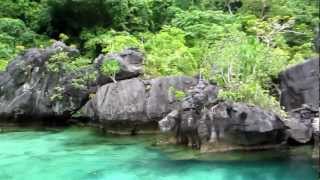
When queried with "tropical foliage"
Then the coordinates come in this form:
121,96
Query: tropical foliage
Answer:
240,44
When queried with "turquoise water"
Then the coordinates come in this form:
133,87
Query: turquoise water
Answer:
75,154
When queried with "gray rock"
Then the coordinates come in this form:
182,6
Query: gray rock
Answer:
29,90
131,64
136,100
161,100
186,121
300,124
300,85
298,131
232,123
243,124
122,101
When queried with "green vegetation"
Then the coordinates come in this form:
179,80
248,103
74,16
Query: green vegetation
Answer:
57,95
62,61
240,44
178,94
110,68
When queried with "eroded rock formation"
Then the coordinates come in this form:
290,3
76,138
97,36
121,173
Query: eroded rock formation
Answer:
300,124
187,121
30,90
202,119
226,122
135,100
300,85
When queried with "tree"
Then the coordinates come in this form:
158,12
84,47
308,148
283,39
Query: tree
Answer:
111,67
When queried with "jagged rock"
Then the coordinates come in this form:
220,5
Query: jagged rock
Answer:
131,64
300,85
298,131
136,100
186,121
300,124
30,90
233,123
244,124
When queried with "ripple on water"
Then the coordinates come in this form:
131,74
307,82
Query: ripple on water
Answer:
75,154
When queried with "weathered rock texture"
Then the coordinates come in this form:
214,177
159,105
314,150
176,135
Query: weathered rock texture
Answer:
300,124
228,123
130,61
186,119
300,96
202,119
30,91
136,100
243,124
300,85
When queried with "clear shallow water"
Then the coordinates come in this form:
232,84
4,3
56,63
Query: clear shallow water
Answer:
75,154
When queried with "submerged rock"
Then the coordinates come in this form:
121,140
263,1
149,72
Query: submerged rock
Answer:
37,85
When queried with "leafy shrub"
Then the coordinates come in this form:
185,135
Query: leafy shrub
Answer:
179,95
110,68
119,42
79,62
34,14
244,67
58,93
252,93
62,61
13,27
205,25
3,64
16,37
168,54
103,41
58,62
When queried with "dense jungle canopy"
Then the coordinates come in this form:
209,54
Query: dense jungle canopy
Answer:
241,45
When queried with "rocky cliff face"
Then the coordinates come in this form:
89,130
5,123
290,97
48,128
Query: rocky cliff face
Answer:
30,90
